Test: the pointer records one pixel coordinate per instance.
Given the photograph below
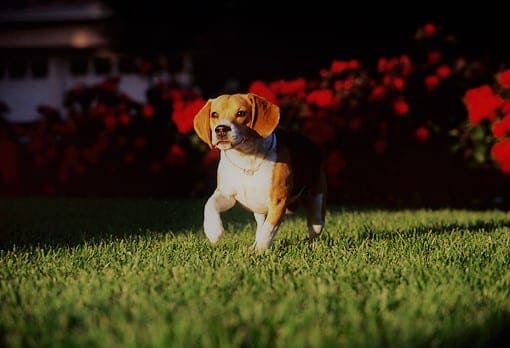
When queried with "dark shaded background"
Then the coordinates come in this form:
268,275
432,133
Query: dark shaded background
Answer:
250,40
247,40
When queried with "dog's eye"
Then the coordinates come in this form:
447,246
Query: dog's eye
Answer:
241,113
214,115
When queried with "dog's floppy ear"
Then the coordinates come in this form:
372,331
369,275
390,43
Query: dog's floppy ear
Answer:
201,123
265,115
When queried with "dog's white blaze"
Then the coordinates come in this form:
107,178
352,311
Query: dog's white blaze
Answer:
252,191
233,137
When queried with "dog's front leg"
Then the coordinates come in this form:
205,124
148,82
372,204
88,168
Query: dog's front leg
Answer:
259,218
267,228
216,204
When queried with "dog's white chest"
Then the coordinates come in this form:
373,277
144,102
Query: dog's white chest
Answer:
249,182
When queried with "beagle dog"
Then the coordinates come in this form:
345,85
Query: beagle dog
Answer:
267,170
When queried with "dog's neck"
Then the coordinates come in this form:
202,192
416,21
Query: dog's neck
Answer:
250,153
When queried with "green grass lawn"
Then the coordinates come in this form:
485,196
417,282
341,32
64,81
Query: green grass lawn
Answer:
140,273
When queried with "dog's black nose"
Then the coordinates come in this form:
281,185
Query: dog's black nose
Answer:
222,129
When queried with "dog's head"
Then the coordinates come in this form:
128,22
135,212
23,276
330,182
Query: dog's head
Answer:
229,120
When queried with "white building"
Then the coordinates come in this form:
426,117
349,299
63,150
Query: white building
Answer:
46,50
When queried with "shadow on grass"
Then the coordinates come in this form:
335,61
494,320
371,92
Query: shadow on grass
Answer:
369,232
492,333
373,232
70,221
48,222
26,222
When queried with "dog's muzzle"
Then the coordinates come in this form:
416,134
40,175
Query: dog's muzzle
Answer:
222,131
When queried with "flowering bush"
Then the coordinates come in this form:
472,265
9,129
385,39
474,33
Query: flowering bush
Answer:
108,143
483,137
362,114
384,129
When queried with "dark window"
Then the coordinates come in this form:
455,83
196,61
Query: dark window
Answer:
127,65
78,66
39,67
17,68
102,66
3,67
174,63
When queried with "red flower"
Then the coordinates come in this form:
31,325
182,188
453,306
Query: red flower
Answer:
338,66
346,84
406,66
401,107
506,121
387,79
148,111
429,29
505,107
110,122
320,132
399,83
504,78
444,71
175,156
125,119
184,113
434,57
378,93
431,82
501,153
260,88
296,86
382,65
321,97
422,134
498,129
482,104
501,128
353,64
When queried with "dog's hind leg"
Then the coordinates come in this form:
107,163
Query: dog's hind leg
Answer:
314,214
315,207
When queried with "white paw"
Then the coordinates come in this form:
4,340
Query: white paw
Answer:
314,231
214,234
260,247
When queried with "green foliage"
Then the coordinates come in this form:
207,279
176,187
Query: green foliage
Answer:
126,273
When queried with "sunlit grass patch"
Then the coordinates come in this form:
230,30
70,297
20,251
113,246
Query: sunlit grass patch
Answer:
83,272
